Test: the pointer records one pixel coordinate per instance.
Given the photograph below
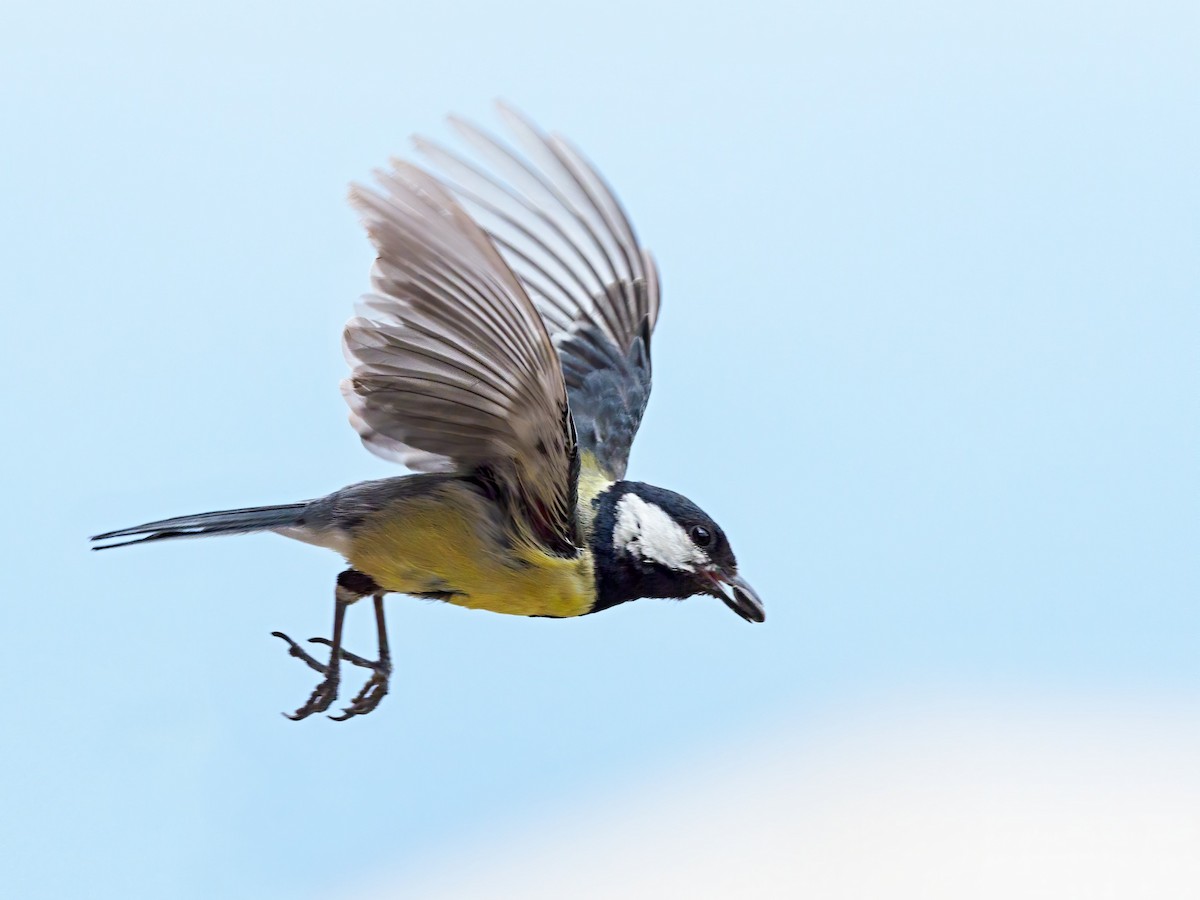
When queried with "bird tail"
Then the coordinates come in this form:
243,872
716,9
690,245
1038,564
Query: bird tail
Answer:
230,521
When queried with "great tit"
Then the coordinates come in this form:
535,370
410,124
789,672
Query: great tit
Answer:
504,354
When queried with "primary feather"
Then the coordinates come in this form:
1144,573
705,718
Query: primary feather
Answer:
567,238
452,369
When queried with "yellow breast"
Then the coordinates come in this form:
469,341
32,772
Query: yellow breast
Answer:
446,542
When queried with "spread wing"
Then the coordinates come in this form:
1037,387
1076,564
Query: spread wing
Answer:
452,368
566,236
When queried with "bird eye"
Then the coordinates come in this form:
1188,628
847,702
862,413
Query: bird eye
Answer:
700,535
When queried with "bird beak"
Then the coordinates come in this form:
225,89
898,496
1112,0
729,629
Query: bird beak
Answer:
738,595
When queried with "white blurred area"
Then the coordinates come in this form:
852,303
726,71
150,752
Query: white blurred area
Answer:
900,801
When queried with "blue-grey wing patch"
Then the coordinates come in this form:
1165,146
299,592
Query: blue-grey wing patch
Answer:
565,235
608,391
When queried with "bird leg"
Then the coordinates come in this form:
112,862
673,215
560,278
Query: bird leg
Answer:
376,687
351,586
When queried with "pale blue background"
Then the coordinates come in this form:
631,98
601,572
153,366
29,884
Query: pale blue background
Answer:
928,352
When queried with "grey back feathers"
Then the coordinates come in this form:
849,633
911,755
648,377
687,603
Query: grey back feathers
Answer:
566,236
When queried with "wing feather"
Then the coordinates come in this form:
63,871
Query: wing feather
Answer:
452,367
566,236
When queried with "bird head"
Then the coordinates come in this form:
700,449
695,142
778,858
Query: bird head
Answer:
651,542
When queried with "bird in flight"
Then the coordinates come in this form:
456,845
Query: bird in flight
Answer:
503,354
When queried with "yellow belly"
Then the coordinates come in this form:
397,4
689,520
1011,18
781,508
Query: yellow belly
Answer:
433,543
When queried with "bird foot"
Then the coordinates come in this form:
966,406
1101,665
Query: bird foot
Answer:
325,693
320,700
373,691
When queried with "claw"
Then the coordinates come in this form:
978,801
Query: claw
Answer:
368,698
297,651
320,700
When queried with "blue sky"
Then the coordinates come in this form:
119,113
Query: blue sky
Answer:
927,352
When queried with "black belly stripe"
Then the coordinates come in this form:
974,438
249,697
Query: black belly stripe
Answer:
438,595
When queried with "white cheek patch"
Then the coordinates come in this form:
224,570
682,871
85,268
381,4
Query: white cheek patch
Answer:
649,532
